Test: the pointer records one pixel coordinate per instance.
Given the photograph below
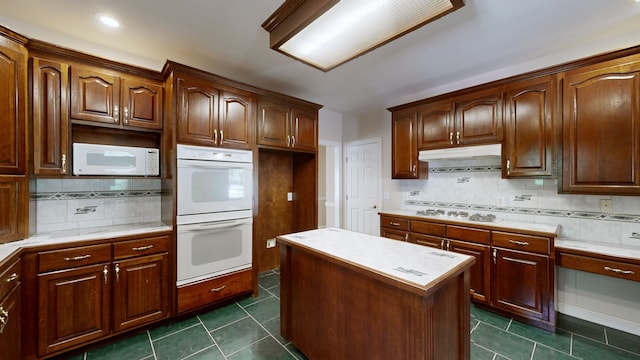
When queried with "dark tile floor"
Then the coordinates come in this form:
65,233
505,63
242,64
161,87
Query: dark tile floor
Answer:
249,329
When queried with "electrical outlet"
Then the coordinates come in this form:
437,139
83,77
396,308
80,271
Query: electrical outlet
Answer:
119,204
606,205
271,243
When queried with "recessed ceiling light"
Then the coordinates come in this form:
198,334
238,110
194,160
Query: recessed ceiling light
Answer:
109,21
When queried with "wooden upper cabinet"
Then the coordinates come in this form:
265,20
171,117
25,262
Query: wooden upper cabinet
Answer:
13,105
478,118
287,126
601,128
107,98
530,133
435,124
14,197
211,115
404,150
50,84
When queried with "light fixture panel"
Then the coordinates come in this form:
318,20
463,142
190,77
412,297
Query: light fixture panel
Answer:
353,27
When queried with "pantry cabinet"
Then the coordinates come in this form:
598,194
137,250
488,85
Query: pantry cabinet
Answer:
287,126
109,98
530,128
211,114
87,293
50,86
601,128
10,307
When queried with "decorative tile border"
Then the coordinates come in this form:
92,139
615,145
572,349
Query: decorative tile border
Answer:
529,211
95,194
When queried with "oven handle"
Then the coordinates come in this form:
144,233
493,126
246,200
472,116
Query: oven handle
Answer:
213,225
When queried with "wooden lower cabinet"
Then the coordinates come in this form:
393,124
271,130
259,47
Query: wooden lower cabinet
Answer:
10,307
207,292
87,293
522,283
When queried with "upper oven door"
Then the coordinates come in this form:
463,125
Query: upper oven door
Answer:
213,186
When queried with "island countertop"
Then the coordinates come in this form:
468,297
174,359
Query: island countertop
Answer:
416,265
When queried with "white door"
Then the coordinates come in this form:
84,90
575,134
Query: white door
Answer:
362,193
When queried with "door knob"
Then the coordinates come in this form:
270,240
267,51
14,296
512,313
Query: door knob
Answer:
375,206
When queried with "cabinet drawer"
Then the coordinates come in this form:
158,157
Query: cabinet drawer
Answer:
394,234
614,268
138,247
202,293
394,223
540,245
73,257
427,228
427,240
472,235
9,278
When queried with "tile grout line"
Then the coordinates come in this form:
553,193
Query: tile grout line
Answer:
153,348
606,338
215,343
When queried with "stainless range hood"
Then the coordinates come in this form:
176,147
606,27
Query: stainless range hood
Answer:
493,151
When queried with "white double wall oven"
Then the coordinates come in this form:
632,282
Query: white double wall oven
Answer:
215,199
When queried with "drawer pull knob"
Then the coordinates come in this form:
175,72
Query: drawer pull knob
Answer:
394,224
77,258
218,289
12,277
142,248
619,271
519,243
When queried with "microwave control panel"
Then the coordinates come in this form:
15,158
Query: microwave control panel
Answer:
153,162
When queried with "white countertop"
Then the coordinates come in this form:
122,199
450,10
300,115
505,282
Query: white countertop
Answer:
605,249
498,223
69,236
416,264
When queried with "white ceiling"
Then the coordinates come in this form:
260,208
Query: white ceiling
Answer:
485,40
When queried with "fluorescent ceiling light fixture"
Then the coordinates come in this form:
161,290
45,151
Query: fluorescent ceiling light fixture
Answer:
328,33
109,21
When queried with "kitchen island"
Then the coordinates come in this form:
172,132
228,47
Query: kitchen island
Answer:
347,295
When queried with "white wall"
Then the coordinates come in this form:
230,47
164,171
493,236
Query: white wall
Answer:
329,168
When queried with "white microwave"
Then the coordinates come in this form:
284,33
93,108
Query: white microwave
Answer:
97,159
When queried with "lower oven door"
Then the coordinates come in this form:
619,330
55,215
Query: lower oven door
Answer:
213,248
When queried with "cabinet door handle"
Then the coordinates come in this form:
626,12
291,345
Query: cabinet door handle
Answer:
4,319
508,167
442,244
63,164
519,243
77,258
221,136
117,272
126,116
394,224
451,138
12,277
105,274
116,113
406,237
288,140
142,248
218,289
495,256
619,271
448,245
293,141
458,137
215,136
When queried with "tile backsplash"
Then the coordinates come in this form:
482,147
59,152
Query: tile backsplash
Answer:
454,185
63,204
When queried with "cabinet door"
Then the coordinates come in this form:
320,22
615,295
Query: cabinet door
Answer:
10,336
197,112
236,119
73,307
521,283
435,125
142,102
141,291
50,117
478,118
13,104
529,128
274,125
95,96
601,128
404,149
304,129
480,271
14,197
